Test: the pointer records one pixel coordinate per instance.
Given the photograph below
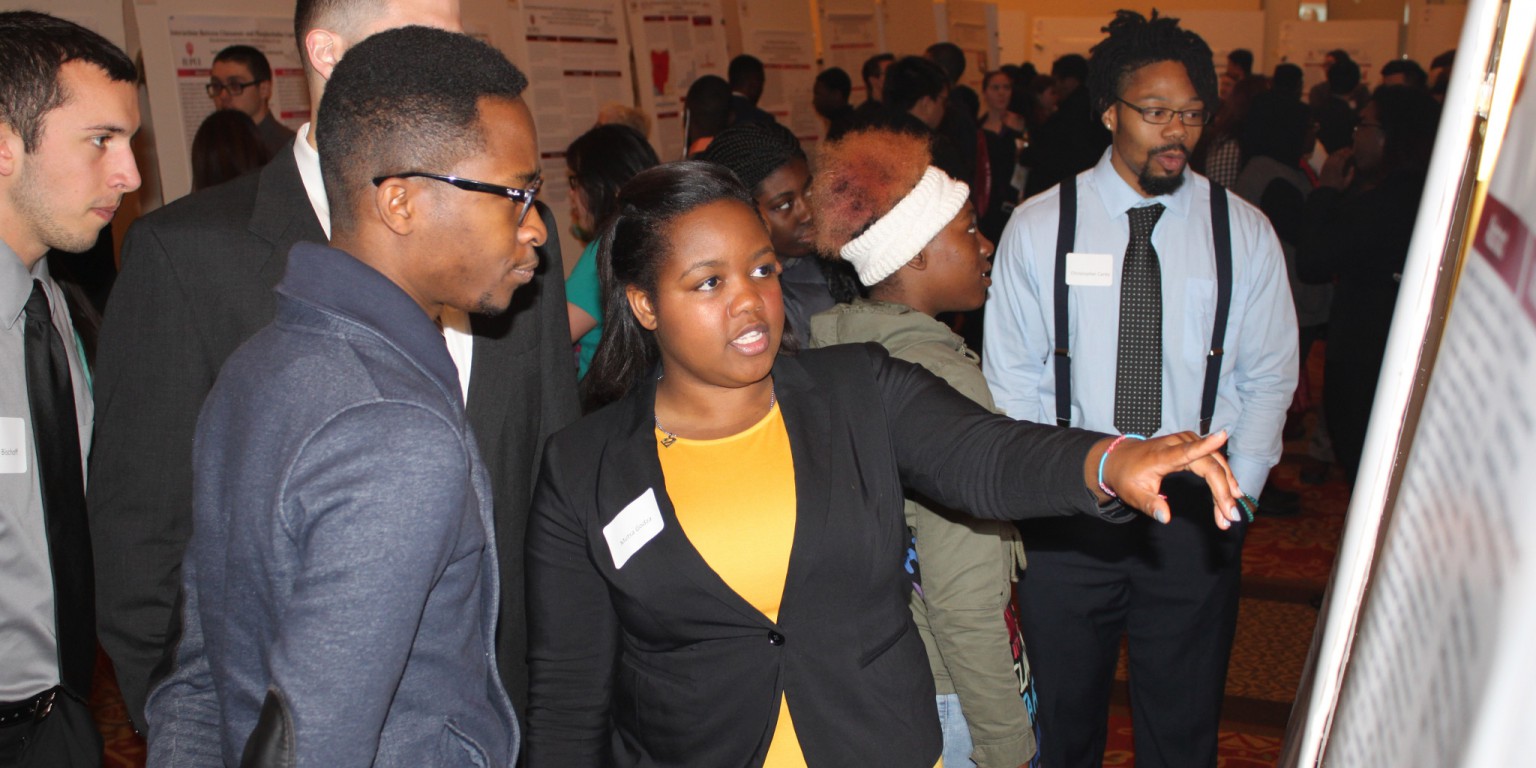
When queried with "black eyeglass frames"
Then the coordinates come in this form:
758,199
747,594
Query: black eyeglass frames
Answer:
234,87
525,196
1164,115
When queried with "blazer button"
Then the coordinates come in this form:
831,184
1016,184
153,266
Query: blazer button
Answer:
775,638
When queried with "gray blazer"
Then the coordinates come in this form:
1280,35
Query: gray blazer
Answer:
197,282
343,557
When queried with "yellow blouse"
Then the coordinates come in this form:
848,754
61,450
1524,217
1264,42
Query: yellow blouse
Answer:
735,500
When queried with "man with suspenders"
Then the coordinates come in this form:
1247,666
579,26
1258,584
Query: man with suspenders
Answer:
1139,298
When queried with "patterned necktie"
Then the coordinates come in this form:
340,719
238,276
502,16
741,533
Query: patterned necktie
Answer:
56,434
1139,364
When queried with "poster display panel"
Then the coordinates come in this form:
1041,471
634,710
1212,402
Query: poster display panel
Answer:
578,60
196,39
850,34
973,26
789,60
1370,43
1456,570
676,42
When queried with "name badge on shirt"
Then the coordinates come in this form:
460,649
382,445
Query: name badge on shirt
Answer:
635,526
13,445
1090,269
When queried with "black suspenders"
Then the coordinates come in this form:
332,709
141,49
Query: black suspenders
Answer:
1066,239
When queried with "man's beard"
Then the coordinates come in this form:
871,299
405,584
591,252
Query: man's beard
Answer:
1157,185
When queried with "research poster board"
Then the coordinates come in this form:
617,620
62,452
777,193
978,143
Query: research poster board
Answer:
178,40
1056,36
675,43
577,60
790,62
1456,570
1421,657
1371,43
780,35
1433,29
910,26
972,25
851,32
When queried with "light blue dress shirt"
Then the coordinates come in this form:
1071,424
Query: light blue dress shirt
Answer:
1258,372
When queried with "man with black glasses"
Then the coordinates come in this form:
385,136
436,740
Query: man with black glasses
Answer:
340,583
241,78
1140,299
197,282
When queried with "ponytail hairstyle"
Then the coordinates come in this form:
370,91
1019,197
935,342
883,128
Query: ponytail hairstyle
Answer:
636,240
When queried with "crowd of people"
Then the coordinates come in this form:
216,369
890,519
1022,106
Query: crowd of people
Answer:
348,474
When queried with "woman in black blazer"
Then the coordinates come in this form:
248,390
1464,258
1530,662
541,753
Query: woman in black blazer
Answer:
640,653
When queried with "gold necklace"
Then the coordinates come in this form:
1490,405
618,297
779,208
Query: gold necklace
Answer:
671,437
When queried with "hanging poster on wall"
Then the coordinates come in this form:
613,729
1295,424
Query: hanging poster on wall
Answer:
851,32
676,42
578,60
195,40
789,60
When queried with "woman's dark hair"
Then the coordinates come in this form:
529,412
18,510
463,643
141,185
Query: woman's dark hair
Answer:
635,241
226,147
1134,41
753,151
603,159
911,79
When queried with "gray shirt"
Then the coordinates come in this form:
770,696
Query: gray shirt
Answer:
28,642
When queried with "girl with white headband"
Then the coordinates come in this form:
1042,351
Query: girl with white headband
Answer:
909,230
715,558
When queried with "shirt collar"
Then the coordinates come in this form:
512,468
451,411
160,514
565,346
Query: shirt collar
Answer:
334,280
16,284
1119,197
309,172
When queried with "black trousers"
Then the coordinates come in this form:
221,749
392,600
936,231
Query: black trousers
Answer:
66,738
1172,589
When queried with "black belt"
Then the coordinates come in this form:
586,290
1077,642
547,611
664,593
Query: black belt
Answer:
35,708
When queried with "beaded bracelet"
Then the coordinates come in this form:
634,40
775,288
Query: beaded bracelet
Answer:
1105,457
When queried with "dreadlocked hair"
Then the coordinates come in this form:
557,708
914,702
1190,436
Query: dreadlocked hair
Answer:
1135,41
753,151
861,177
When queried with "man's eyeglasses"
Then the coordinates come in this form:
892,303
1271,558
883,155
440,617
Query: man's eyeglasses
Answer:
234,87
524,196
1164,115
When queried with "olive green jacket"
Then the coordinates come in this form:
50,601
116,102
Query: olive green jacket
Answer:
967,566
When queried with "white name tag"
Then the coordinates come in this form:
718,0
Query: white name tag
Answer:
633,528
1090,269
13,445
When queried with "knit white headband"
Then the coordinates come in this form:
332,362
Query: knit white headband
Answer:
901,234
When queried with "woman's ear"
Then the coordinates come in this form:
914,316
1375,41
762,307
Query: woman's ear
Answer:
641,305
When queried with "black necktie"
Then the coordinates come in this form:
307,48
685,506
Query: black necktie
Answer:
55,432
1139,364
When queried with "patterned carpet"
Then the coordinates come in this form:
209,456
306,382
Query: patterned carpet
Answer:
1286,562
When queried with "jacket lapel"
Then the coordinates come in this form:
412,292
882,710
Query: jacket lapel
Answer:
807,415
282,214
629,466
